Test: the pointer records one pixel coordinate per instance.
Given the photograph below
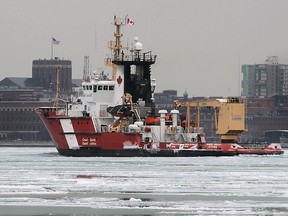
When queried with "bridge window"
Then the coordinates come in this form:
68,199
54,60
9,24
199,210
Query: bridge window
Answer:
100,87
90,87
111,88
105,87
94,88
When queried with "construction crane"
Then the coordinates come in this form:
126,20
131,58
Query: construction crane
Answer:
229,116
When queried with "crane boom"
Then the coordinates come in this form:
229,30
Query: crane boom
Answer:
229,116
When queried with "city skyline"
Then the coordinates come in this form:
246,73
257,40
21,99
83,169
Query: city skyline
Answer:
200,45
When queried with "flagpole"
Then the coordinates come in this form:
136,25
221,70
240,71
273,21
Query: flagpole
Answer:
52,49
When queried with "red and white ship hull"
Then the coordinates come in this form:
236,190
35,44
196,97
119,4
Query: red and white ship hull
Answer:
77,136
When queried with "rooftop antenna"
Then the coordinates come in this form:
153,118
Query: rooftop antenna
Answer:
57,89
86,69
95,36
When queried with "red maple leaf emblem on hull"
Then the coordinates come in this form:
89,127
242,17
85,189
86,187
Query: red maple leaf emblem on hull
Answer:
119,80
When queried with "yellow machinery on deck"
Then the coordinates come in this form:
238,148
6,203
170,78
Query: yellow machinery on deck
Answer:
229,116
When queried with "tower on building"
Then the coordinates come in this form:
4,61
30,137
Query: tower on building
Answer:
185,95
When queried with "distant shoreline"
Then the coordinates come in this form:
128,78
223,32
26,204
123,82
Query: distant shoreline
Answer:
26,144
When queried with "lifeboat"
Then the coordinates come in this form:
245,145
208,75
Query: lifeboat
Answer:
155,120
119,111
151,120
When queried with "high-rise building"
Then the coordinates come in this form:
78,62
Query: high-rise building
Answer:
44,74
265,80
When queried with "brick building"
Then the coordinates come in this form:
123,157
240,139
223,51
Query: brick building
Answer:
44,74
19,96
20,121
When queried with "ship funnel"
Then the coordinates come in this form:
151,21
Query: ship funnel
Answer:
162,124
174,114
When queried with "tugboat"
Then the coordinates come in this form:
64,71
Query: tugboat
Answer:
117,116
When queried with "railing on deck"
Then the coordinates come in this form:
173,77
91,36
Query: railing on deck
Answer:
143,57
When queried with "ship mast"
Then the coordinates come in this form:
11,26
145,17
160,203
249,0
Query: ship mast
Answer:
116,45
57,89
118,35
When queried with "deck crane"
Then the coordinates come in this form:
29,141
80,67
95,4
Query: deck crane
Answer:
229,116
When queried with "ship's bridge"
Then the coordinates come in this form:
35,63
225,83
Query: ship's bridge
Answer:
102,90
137,74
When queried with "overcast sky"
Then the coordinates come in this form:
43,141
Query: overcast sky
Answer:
200,44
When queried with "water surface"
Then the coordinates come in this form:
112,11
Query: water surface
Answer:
38,181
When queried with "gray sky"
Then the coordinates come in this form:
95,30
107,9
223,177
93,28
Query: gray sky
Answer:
200,44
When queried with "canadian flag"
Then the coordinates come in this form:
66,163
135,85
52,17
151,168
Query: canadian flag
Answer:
130,22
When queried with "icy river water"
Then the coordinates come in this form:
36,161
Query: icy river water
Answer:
38,181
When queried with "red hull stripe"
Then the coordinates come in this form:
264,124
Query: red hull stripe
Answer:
70,138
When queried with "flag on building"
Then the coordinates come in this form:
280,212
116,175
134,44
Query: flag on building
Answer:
55,42
130,22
